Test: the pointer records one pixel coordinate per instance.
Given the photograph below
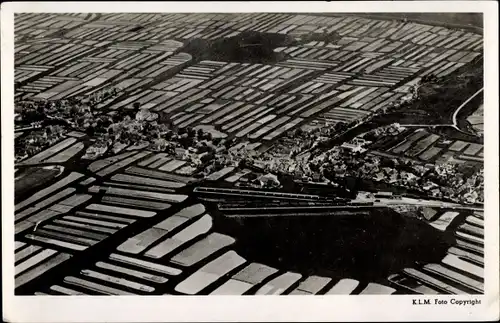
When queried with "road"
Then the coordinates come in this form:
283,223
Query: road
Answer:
455,114
454,117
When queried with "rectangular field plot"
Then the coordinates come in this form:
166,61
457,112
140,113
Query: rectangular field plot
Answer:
311,285
405,145
172,165
66,154
167,246
244,280
377,289
80,230
146,181
426,279
464,158
280,284
422,145
144,240
55,210
430,153
100,164
343,287
473,149
140,194
122,201
283,129
120,210
38,264
159,175
458,145
122,163
210,273
462,280
444,220
202,249
47,153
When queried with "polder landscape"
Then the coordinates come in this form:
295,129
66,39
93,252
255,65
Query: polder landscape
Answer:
248,154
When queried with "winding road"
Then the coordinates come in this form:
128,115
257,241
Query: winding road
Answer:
454,117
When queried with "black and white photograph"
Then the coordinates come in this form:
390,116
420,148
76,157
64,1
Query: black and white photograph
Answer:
249,153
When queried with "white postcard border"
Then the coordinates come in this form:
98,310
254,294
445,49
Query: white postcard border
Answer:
253,308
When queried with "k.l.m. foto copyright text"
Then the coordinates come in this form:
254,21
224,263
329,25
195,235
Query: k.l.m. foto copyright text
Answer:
453,301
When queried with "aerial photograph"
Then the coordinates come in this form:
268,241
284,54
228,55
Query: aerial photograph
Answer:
248,153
